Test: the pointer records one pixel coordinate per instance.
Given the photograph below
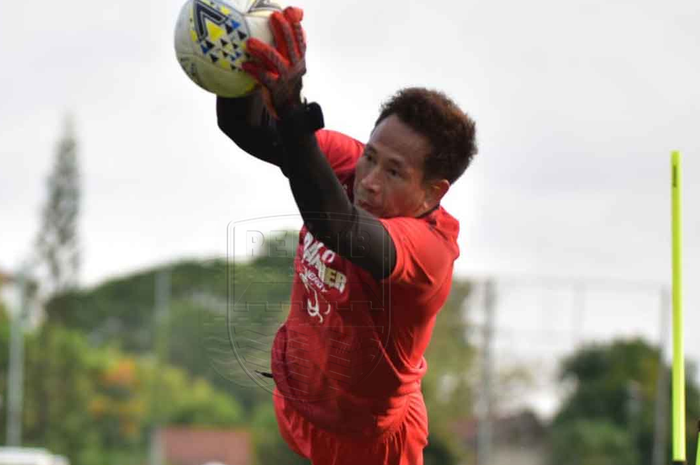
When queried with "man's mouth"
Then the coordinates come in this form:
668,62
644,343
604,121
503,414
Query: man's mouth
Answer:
365,206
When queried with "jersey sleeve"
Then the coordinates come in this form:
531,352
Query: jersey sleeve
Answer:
341,151
423,258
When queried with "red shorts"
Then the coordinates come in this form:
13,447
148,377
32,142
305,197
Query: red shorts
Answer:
403,446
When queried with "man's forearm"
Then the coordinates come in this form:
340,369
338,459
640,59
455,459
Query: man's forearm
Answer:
326,209
246,122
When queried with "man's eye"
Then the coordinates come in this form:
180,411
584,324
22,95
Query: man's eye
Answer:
393,172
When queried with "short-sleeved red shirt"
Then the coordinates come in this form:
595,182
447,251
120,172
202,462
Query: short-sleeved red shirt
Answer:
352,347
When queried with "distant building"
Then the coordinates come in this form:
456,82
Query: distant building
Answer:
516,439
195,446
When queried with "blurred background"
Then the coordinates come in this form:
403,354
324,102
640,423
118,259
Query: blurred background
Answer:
119,194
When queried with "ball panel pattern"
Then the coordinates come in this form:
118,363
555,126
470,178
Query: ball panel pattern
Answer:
211,38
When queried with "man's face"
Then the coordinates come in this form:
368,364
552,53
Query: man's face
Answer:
389,174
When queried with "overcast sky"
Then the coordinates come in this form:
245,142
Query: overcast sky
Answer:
578,105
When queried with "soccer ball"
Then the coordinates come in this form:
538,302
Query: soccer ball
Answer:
211,38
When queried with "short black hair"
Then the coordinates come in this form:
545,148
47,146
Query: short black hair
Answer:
450,132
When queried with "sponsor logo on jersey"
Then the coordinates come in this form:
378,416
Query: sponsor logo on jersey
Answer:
318,277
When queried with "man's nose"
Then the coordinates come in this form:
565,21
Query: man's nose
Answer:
371,181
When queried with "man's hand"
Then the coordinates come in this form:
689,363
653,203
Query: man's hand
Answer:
279,70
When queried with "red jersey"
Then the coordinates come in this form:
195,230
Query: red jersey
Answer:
351,349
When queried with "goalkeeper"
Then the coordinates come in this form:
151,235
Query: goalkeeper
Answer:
374,261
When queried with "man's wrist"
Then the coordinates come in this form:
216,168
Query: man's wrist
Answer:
303,118
297,127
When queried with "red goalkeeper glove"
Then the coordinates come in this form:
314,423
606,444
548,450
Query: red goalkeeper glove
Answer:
279,70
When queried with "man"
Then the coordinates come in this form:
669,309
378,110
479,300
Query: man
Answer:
374,260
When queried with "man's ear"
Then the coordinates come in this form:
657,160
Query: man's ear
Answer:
437,191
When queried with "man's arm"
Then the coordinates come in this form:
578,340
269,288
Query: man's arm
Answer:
327,211
249,125
325,207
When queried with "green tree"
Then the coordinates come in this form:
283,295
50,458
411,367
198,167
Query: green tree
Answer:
58,244
447,384
4,367
615,386
121,313
59,366
593,442
102,413
184,399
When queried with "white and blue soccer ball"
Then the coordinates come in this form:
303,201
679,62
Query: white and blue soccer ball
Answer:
211,38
